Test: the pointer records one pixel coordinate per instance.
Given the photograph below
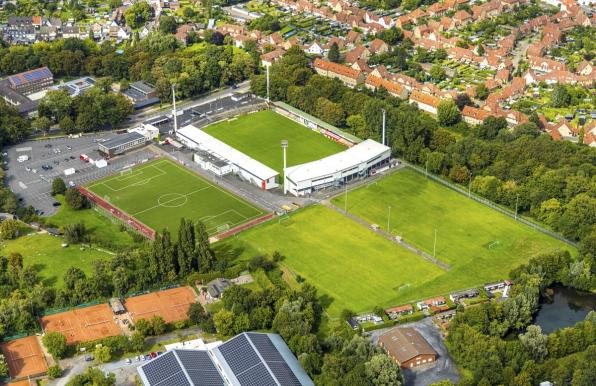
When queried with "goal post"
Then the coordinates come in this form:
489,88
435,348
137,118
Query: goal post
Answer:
223,227
126,172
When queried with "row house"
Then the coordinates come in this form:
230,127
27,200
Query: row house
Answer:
545,64
271,57
345,74
374,83
461,18
474,116
491,9
357,53
425,102
562,130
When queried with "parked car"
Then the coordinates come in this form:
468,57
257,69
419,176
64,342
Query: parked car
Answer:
89,358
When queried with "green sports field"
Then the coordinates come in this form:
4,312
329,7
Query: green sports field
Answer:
357,269
259,135
468,233
350,265
161,192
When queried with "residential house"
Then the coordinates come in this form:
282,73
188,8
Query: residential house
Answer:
474,116
395,312
395,89
271,57
349,76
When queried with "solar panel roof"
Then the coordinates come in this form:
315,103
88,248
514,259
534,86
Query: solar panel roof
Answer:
239,354
257,376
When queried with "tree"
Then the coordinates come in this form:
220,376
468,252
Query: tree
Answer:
103,354
41,124
55,343
93,377
196,313
482,91
224,322
158,325
560,96
448,113
56,105
75,233
188,12
167,24
3,367
333,54
9,229
138,14
437,73
143,327
382,371
137,341
54,372
58,186
75,199
534,341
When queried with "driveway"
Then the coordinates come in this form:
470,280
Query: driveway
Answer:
444,368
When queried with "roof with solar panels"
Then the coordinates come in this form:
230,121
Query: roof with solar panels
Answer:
29,76
248,359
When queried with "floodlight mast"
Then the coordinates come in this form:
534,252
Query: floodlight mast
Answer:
267,84
384,114
284,146
174,109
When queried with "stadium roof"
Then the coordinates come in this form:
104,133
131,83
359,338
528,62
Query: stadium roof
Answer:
320,123
247,359
357,154
222,150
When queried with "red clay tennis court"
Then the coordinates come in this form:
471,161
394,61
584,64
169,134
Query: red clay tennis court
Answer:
83,324
24,357
171,304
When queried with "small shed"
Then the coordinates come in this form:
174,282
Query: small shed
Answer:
216,287
117,306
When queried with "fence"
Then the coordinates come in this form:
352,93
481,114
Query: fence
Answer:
128,220
243,227
491,205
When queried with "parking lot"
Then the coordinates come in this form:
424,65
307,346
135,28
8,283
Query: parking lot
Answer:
31,179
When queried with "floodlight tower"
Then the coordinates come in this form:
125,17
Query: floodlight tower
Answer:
284,145
174,107
384,114
268,85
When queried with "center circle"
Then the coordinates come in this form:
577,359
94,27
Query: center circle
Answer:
172,200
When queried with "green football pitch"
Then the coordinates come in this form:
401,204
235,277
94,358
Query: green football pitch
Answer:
259,135
357,269
161,192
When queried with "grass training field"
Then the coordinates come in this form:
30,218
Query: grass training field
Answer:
259,135
357,269
350,265
468,233
161,192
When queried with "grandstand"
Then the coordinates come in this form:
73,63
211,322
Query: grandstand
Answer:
359,161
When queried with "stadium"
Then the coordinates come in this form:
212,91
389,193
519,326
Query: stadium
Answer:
283,148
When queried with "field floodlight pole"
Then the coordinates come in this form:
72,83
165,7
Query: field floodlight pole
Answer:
426,166
346,199
470,186
516,201
435,245
268,85
174,110
384,115
284,145
389,220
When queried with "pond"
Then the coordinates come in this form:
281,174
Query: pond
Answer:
563,307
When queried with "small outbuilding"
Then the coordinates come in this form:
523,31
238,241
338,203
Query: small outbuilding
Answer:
117,306
216,288
407,347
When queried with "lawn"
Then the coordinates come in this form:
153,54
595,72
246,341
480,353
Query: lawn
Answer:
350,265
259,135
50,259
480,243
161,192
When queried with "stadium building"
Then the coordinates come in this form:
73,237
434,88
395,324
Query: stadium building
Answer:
247,359
359,161
215,155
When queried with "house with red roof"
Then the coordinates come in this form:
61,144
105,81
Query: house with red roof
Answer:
425,102
349,76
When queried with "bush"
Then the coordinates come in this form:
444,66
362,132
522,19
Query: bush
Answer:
75,199
411,318
75,233
9,229
58,186
55,343
54,372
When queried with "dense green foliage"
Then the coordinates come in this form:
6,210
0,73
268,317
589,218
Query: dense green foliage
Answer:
564,357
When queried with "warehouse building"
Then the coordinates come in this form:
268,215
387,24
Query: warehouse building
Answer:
221,154
247,359
407,347
122,143
359,161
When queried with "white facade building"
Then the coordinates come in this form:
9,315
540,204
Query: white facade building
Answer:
356,162
244,166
